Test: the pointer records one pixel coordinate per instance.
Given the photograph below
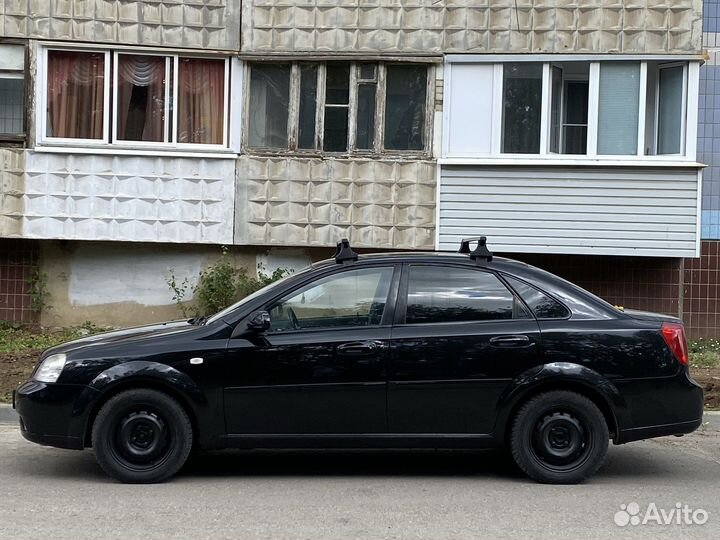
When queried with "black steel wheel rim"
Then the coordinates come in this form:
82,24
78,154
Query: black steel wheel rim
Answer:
561,440
141,439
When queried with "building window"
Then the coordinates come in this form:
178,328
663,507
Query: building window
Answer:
135,99
76,95
338,107
618,108
522,103
12,90
623,108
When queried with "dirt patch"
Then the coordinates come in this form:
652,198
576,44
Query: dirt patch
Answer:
709,379
15,368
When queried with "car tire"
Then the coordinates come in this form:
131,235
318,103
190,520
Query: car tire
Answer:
142,436
559,437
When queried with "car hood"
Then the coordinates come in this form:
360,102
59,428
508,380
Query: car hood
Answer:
127,335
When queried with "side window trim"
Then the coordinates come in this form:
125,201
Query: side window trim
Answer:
388,312
402,295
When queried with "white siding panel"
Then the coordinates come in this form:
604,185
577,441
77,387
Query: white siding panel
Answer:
649,212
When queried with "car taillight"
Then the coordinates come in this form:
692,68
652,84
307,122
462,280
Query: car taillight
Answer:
674,336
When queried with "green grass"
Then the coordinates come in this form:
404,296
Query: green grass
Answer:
18,339
705,359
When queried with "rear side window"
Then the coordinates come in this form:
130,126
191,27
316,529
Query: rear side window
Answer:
439,294
542,305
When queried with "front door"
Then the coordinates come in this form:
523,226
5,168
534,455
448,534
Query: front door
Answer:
321,368
459,338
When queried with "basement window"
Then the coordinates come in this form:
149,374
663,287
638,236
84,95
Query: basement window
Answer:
338,107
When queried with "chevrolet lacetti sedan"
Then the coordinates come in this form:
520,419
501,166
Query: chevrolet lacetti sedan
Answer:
409,350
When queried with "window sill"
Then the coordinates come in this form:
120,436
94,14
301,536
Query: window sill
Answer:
649,162
121,151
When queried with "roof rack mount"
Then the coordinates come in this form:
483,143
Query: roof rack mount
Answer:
344,253
480,252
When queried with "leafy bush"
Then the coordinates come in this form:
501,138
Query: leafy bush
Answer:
220,286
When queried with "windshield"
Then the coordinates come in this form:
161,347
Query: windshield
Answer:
253,296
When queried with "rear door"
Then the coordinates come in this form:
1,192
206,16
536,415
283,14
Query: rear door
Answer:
460,336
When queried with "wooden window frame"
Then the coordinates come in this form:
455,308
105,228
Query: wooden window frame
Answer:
355,81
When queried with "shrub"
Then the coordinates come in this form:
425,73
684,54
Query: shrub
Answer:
220,285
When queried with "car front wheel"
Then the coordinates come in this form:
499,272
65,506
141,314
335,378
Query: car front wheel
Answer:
559,437
142,436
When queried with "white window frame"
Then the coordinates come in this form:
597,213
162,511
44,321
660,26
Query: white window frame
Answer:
683,118
42,95
293,112
110,120
689,115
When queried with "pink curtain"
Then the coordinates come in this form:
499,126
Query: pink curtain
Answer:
75,95
201,98
141,98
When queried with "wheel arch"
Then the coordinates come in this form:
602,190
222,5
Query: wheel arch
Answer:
144,375
560,376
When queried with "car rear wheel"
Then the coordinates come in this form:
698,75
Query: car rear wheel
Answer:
142,436
559,437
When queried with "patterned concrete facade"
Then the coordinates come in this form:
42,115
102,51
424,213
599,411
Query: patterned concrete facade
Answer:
447,26
103,197
313,202
170,23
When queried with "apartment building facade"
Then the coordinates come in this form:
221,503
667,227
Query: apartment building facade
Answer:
142,135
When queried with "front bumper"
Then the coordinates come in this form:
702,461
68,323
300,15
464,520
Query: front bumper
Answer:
54,414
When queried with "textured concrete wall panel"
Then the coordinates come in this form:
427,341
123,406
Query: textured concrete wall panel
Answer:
456,26
172,23
86,197
314,202
12,182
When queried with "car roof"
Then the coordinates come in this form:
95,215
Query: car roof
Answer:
429,256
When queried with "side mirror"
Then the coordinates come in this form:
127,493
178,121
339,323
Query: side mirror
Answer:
259,322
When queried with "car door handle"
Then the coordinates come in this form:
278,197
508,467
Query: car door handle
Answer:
357,348
511,341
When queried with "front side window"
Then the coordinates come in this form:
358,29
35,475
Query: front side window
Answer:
156,99
287,110
349,299
12,89
439,294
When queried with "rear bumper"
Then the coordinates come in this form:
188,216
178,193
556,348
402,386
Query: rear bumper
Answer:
53,414
649,432
659,407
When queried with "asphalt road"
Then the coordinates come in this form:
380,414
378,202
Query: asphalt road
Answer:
54,494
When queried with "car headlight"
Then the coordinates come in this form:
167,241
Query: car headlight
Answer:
49,369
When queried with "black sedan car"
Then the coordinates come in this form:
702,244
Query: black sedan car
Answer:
404,350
